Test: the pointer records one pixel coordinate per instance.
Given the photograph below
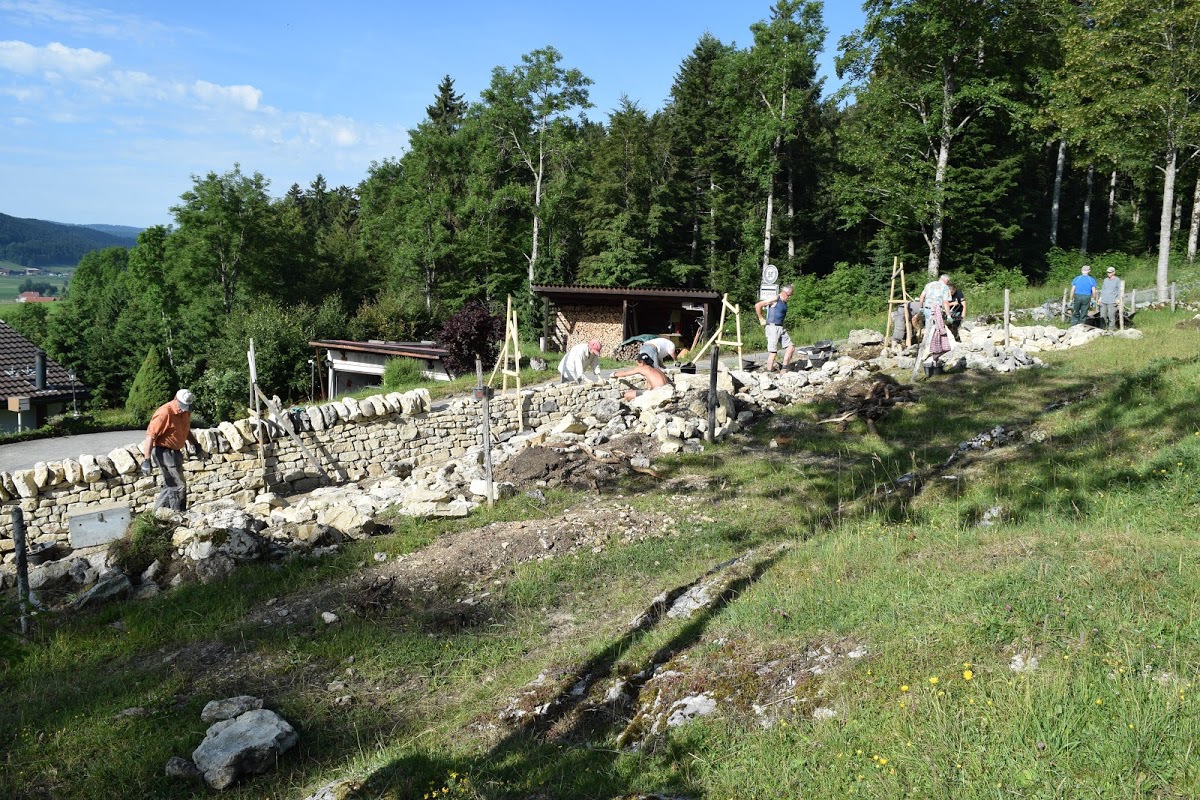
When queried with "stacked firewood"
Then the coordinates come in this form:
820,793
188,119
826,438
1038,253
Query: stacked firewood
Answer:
626,352
575,324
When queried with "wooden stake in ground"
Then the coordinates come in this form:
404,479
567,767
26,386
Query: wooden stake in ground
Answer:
484,395
1006,319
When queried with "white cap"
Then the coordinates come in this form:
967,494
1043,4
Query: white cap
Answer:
184,398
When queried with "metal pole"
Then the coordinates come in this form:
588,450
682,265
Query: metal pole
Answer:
1121,309
18,520
713,364
1006,319
1172,295
483,392
1064,304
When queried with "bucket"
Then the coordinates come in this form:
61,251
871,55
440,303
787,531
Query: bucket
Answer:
40,553
688,369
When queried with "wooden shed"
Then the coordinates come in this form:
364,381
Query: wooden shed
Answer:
573,314
354,365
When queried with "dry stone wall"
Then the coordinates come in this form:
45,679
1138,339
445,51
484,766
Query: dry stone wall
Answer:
351,439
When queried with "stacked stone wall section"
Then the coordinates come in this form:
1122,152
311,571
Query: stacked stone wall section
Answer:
352,441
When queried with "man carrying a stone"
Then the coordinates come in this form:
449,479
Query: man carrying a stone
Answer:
169,431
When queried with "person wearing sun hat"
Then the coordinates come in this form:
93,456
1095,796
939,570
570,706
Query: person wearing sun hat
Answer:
169,431
581,360
1110,295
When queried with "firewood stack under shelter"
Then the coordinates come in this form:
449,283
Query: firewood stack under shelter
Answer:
573,314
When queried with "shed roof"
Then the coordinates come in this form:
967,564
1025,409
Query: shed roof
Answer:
409,349
17,356
593,294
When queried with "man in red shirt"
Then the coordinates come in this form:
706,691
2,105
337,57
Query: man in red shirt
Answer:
169,431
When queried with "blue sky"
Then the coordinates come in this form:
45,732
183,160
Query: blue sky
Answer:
108,109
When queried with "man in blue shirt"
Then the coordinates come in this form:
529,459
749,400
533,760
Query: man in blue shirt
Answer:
1083,292
773,325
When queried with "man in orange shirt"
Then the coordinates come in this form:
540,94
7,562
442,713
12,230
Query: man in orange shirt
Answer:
169,431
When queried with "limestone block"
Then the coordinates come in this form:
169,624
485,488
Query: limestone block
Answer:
654,398
41,475
426,509
340,409
354,412
7,482
671,444
233,437
347,520
248,429
424,403
72,472
25,483
210,440
123,461
5,496
568,424
249,744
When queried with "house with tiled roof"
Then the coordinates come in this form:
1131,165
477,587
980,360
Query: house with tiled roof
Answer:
33,387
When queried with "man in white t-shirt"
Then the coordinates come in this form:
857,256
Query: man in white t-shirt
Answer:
659,350
935,293
582,360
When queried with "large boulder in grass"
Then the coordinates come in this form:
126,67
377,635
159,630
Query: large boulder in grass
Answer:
249,744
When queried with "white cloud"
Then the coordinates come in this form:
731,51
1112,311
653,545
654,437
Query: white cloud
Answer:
83,20
22,94
244,97
53,59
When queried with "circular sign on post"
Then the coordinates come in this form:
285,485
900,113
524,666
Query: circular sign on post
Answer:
770,282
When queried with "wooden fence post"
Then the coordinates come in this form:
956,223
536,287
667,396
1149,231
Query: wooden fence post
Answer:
1006,323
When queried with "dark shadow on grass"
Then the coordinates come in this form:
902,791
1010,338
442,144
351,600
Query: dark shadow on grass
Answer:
560,738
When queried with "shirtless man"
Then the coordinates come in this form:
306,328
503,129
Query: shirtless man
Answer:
644,366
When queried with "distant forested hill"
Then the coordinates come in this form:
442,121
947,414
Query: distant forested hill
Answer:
37,243
120,231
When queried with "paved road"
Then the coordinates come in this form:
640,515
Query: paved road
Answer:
23,455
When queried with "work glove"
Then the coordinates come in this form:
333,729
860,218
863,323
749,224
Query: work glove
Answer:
197,452
146,467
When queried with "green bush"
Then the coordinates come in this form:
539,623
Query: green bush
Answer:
147,541
849,289
221,395
1005,278
152,386
400,372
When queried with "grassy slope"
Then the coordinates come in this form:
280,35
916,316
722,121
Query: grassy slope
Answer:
1093,571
